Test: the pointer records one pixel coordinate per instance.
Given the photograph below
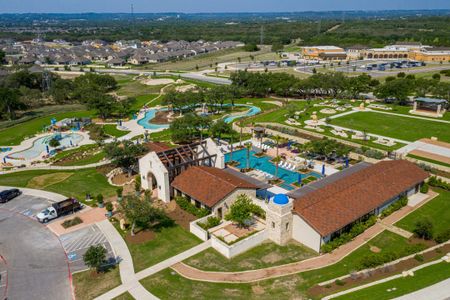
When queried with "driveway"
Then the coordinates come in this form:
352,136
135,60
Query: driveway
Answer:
37,266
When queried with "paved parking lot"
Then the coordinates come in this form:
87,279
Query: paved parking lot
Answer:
37,266
76,244
27,205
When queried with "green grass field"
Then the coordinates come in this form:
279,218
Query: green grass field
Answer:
404,128
263,256
111,129
168,241
88,285
437,211
169,285
15,135
422,278
77,183
124,296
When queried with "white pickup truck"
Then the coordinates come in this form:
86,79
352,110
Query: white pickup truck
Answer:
58,209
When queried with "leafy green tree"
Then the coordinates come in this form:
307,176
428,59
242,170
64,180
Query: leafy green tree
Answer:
251,47
54,143
219,128
102,103
10,102
424,229
242,210
398,89
141,213
277,46
95,257
124,154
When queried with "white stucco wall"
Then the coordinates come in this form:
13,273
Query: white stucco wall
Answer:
230,198
150,163
230,251
305,234
197,230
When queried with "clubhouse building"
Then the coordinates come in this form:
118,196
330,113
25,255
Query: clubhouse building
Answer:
312,215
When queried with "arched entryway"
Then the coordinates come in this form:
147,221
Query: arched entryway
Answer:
152,184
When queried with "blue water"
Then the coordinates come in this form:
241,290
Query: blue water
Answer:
40,145
264,164
149,115
251,112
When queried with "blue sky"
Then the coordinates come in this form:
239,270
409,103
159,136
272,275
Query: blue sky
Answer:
67,6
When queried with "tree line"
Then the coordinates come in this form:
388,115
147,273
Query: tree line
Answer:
22,90
337,85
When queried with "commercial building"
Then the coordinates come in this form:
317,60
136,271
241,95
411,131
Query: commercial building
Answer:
330,53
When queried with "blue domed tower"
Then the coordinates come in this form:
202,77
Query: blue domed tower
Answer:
279,219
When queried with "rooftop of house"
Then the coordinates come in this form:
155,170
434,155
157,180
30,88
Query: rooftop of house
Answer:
209,185
355,194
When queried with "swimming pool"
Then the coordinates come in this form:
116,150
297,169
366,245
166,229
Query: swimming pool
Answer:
149,115
40,145
264,164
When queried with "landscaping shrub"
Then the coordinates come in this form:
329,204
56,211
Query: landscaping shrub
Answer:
71,222
376,259
424,188
210,223
346,237
437,182
184,203
339,282
424,229
419,257
394,207
443,236
242,209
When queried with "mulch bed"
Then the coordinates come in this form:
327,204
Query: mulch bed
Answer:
140,237
374,275
121,179
180,216
161,117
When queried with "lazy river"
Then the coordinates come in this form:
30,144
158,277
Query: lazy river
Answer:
150,115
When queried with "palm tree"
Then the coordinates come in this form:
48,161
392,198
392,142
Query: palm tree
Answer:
249,147
277,139
276,160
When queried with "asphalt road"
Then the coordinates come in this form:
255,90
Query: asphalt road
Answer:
37,264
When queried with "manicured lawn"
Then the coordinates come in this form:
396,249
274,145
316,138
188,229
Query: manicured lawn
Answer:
168,242
144,99
93,157
437,211
89,286
263,256
428,160
124,296
134,88
167,284
404,128
111,129
422,278
15,135
77,182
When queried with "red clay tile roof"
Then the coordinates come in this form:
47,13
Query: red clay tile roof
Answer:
156,146
209,185
346,200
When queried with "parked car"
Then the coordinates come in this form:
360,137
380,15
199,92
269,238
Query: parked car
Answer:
58,209
8,195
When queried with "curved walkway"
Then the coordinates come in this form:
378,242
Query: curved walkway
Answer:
99,164
301,266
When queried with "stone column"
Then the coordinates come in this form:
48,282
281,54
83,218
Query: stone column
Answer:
439,107
279,222
415,106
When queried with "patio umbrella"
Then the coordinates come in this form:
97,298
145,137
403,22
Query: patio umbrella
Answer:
71,144
299,178
48,150
4,160
346,162
323,170
120,122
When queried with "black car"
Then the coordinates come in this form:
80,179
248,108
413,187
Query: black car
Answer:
7,195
